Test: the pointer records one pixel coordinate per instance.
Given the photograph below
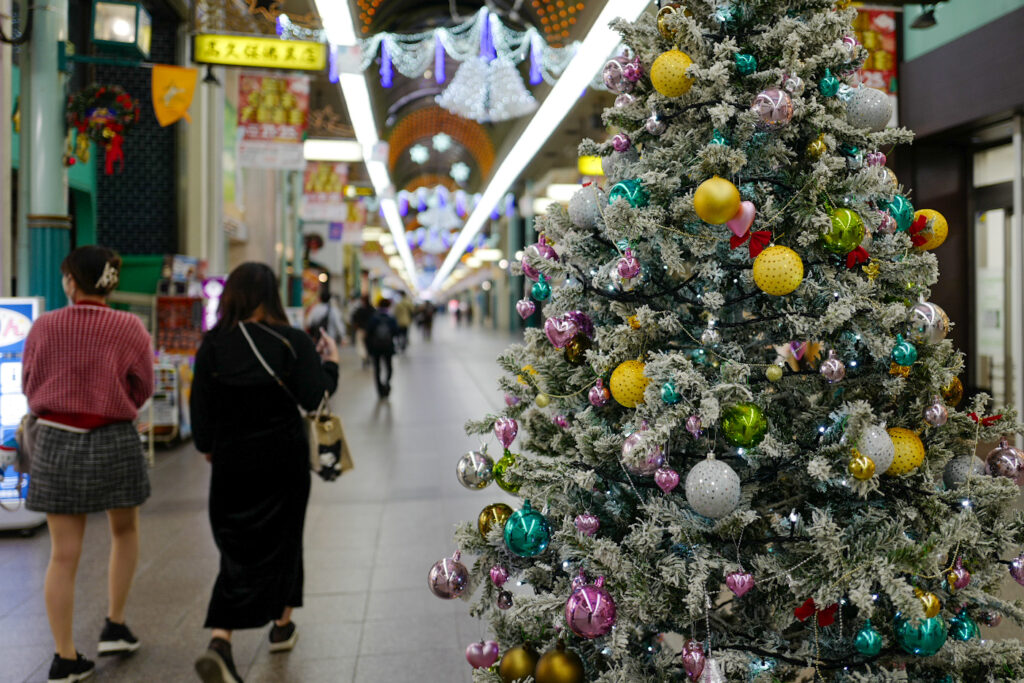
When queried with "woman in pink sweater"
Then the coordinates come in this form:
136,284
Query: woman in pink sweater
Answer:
87,370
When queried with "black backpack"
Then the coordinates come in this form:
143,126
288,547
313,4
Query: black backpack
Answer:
379,337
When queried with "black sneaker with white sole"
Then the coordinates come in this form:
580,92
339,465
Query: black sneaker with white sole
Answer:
216,664
282,638
116,639
70,670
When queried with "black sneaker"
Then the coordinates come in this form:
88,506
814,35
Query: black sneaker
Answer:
116,639
282,638
70,670
216,664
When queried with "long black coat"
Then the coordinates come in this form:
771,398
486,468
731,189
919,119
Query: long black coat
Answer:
260,479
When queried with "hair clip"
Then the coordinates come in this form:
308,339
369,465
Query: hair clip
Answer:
108,280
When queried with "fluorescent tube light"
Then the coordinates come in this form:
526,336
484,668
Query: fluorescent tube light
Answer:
332,150
489,255
589,58
562,192
541,204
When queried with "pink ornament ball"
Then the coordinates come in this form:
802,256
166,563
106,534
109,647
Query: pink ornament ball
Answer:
590,610
448,578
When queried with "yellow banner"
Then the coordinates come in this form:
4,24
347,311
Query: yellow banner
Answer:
264,53
173,88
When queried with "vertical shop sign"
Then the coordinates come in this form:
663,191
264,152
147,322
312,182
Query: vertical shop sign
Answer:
355,223
16,318
876,31
323,191
272,113
335,230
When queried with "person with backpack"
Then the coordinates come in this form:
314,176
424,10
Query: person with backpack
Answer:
381,330
325,316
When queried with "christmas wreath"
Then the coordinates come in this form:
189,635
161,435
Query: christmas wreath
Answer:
104,113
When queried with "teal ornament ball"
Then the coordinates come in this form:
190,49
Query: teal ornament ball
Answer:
962,627
541,290
719,139
903,353
746,64
632,191
923,638
527,532
902,212
846,233
868,641
829,84
744,425
669,394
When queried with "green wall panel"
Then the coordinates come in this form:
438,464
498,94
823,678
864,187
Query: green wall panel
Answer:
954,19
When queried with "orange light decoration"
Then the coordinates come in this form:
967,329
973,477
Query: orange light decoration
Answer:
556,18
426,122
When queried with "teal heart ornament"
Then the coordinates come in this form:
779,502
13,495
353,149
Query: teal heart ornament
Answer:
924,638
632,191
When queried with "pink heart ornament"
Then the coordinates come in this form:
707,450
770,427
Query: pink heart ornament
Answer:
525,308
666,479
694,662
560,331
744,218
506,428
740,582
587,524
483,654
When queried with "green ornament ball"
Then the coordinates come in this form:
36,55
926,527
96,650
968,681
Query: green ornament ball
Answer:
527,532
962,627
744,425
902,212
669,394
829,84
746,64
719,139
632,191
846,233
923,638
868,641
903,353
500,472
773,373
541,290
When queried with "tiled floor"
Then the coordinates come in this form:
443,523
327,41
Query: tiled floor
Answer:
370,540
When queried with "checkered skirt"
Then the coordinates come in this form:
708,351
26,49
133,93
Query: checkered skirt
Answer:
76,473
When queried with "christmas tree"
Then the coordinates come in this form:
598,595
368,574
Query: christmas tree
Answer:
738,435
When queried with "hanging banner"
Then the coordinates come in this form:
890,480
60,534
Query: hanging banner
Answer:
173,88
258,51
272,112
323,191
876,31
354,223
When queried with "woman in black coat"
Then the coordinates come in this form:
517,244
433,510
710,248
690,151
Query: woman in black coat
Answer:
248,425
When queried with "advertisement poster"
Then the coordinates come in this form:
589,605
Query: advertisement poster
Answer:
272,112
876,31
16,317
323,191
355,222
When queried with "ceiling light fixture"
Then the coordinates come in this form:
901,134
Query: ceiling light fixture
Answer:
340,28
321,149
589,58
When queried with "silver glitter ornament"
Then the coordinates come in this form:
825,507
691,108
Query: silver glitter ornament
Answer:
868,108
624,100
960,468
655,125
876,443
584,207
712,488
832,369
475,470
711,336
928,323
936,414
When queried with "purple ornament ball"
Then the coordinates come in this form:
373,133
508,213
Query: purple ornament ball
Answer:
590,610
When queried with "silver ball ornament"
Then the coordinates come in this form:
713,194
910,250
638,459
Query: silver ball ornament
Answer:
928,323
832,368
958,470
712,488
448,578
614,76
774,108
584,207
710,336
876,443
1005,461
475,470
639,459
868,108
936,414
793,84
624,100
655,125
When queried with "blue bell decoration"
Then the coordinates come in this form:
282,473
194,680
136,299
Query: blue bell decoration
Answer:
902,212
632,191
828,86
923,638
903,353
541,290
868,641
527,532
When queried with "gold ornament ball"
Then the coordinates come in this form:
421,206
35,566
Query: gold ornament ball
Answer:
517,664
559,666
778,271
493,515
773,373
861,466
930,602
897,370
817,148
668,73
953,392
909,451
627,383
542,400
936,232
716,200
663,14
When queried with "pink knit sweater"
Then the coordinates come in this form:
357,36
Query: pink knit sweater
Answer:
87,365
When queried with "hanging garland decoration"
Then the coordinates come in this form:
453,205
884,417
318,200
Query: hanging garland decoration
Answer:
104,113
412,54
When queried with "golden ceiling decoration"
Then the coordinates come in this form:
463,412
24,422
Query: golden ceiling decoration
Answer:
425,123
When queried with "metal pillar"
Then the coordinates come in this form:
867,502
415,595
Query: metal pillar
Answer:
6,105
1015,364
298,244
216,247
42,142
515,282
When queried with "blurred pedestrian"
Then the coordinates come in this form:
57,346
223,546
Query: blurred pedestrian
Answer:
403,317
324,315
427,319
252,372
380,344
87,370
360,319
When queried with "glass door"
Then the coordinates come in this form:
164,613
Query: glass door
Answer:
993,362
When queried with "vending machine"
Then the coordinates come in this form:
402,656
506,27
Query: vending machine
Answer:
16,318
